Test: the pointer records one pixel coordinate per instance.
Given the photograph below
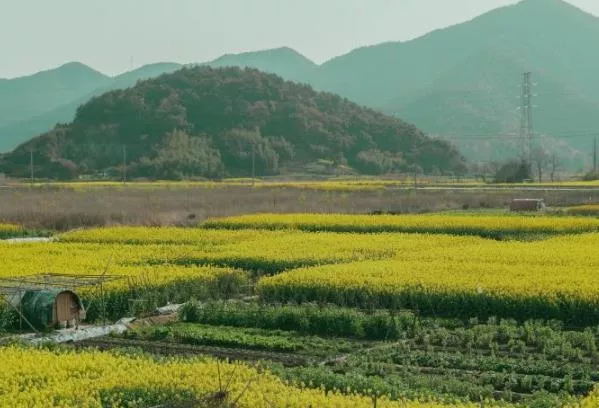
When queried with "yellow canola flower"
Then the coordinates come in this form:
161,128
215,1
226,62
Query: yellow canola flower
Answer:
42,378
434,223
290,248
556,276
10,228
136,264
588,209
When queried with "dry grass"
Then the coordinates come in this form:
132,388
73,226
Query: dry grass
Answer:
60,208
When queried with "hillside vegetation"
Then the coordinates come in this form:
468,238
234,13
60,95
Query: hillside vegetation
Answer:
463,82
207,122
32,105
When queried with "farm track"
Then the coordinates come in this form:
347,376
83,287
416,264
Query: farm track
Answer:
175,349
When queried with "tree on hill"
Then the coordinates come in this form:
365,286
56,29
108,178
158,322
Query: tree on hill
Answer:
211,122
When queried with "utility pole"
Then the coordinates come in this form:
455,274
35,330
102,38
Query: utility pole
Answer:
124,164
31,166
258,136
526,118
253,163
595,156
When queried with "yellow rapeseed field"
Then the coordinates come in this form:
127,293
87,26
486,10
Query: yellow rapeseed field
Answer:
260,249
480,224
38,378
79,259
588,210
9,228
443,274
556,278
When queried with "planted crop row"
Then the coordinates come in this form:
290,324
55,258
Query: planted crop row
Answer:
202,335
586,210
530,363
34,377
9,231
327,321
553,279
264,252
547,338
491,226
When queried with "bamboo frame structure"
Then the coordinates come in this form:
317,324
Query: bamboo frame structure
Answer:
19,285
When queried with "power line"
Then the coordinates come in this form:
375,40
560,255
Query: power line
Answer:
514,136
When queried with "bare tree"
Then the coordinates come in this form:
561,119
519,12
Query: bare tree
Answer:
541,160
554,166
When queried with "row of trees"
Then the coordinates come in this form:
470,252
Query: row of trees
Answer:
541,166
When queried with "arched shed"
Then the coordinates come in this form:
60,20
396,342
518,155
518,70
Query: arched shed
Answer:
50,307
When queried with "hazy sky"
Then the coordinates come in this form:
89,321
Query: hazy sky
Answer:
114,35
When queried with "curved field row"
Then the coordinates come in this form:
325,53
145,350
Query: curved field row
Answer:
266,252
493,226
549,279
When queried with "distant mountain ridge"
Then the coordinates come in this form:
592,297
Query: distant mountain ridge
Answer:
30,96
62,109
285,62
460,83
21,122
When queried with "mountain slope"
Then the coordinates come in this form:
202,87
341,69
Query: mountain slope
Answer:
464,79
284,62
206,122
36,94
67,89
18,132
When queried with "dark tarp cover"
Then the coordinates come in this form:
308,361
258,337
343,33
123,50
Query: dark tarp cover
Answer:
39,306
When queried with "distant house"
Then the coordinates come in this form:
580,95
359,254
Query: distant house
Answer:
527,205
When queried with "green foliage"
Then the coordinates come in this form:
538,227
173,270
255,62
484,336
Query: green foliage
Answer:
207,122
32,105
449,304
514,171
181,156
536,363
325,321
140,299
200,335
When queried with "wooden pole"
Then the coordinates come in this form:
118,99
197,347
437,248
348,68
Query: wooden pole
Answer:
31,166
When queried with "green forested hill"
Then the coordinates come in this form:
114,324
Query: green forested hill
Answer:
30,106
206,122
460,83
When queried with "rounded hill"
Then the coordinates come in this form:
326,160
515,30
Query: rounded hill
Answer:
206,122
